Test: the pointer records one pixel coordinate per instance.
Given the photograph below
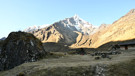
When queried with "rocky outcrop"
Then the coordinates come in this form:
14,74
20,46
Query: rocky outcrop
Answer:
20,47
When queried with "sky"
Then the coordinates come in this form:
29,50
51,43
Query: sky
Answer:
19,14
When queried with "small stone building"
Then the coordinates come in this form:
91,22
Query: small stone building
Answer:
127,45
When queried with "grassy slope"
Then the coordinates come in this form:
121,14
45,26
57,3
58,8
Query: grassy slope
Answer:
122,69
76,65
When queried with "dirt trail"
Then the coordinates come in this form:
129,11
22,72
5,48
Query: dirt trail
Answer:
69,61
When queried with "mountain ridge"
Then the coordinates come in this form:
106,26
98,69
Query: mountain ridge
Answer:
75,21
77,33
65,31
122,29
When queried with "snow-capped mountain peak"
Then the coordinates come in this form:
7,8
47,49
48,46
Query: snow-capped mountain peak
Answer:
34,28
76,16
75,22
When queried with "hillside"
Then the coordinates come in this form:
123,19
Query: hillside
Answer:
120,30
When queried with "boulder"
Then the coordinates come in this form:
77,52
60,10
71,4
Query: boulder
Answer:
18,48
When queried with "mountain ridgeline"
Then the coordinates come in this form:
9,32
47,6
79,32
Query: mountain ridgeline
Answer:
120,30
78,33
67,31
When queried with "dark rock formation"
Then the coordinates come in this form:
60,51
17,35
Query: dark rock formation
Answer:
20,47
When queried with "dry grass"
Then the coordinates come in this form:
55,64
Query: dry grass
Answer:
75,65
123,69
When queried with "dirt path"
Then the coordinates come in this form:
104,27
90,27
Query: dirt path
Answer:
69,61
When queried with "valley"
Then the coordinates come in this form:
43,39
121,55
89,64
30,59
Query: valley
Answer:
71,47
73,65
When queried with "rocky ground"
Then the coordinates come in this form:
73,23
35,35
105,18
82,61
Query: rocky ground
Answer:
78,65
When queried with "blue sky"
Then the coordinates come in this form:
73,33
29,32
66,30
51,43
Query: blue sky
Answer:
19,14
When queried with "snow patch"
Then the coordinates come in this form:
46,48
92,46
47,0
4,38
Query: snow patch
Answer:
76,26
35,27
87,25
68,26
43,26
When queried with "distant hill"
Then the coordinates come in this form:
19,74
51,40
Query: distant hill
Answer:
35,28
3,38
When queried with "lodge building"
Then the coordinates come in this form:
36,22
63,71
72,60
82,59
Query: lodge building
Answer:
127,45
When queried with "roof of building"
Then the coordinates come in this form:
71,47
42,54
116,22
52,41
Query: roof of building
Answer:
127,43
